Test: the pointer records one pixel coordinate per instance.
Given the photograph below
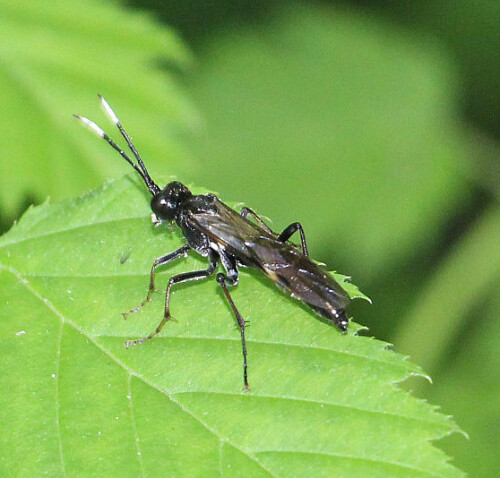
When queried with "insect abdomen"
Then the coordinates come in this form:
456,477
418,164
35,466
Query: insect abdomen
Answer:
307,282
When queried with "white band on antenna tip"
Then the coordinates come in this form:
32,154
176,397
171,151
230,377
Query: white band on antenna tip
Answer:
109,111
93,127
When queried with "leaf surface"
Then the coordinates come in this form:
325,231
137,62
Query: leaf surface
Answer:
321,403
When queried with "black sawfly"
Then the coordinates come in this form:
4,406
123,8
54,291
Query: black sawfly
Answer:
224,236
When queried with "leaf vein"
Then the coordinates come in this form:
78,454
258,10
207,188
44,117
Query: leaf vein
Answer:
134,427
354,457
319,402
58,401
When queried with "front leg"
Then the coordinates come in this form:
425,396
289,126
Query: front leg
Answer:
158,262
177,279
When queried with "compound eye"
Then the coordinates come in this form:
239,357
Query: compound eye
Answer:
162,207
157,203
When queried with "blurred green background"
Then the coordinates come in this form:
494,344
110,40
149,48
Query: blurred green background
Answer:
375,124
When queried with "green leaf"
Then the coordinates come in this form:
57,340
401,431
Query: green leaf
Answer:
54,58
321,404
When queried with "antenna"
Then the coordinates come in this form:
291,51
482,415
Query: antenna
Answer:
141,169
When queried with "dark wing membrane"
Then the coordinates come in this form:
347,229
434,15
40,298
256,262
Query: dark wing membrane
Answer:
232,231
285,265
304,279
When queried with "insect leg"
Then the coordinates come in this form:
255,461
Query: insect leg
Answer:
183,277
292,229
245,211
222,279
285,235
158,262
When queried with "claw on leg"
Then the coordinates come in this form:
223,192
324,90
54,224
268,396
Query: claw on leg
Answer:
136,309
128,343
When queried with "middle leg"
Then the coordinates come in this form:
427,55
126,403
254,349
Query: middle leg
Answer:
245,211
232,279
